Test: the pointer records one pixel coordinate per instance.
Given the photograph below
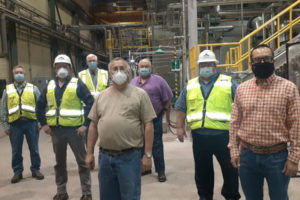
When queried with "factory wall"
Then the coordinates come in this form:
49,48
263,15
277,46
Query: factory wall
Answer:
33,48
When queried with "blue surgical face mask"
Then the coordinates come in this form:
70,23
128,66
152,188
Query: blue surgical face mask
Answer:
19,77
144,71
92,65
206,72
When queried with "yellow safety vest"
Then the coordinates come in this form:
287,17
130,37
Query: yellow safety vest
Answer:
213,112
70,112
20,106
102,77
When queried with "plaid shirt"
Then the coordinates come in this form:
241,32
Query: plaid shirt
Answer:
265,113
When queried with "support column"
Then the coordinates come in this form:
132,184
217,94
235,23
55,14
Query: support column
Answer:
12,42
192,30
184,42
53,44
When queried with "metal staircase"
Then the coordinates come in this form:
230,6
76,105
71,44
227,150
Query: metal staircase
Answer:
238,56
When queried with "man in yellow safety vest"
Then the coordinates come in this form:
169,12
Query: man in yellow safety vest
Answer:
18,118
66,122
206,103
95,79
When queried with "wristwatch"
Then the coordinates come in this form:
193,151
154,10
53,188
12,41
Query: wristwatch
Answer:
148,155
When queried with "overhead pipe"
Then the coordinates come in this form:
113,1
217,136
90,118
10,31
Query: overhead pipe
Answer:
217,28
3,36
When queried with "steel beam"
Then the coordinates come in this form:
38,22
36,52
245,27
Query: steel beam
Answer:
103,26
3,36
224,2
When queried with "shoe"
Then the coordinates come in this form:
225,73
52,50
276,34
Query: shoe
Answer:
16,178
64,196
147,172
86,197
162,177
37,175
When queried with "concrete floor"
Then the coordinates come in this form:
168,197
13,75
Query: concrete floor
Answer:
179,170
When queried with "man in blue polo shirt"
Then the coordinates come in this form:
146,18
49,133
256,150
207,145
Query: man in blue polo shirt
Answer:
206,102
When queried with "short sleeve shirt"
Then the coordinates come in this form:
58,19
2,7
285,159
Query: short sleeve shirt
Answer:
120,117
158,90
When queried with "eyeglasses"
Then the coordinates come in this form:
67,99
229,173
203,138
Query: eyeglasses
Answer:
266,59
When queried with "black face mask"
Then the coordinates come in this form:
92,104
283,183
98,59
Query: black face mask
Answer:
263,70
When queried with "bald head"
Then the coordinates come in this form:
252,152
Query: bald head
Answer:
145,63
144,68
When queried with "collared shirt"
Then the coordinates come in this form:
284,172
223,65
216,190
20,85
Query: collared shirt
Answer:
94,76
158,90
265,113
82,92
4,110
206,88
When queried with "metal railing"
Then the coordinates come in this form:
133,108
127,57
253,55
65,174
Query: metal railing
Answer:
128,38
239,52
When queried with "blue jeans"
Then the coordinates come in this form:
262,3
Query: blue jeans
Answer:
158,147
255,167
18,130
120,176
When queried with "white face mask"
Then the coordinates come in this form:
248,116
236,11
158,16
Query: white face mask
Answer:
119,78
62,72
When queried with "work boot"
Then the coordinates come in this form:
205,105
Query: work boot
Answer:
37,175
162,177
16,178
64,196
86,197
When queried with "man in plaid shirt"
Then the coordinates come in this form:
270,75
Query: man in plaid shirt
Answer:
265,117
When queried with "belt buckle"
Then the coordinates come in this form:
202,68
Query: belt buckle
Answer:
266,150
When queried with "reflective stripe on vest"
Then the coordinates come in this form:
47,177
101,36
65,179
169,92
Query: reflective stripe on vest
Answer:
216,108
70,112
25,108
194,117
102,78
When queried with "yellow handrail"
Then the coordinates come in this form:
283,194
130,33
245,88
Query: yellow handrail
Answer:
240,56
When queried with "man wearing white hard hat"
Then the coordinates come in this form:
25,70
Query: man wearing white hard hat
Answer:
206,104
60,112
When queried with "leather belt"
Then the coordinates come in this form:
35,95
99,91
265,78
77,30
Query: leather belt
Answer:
265,149
117,152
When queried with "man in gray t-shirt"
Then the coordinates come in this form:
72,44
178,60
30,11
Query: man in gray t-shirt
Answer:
122,118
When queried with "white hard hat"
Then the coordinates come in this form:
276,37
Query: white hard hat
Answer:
207,56
62,58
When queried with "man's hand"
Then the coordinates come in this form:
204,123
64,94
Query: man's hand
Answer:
39,127
7,132
47,129
290,168
146,163
81,130
235,161
181,134
90,161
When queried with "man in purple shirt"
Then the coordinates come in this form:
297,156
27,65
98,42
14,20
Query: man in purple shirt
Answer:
160,95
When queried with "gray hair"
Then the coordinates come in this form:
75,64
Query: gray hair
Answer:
91,56
119,59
